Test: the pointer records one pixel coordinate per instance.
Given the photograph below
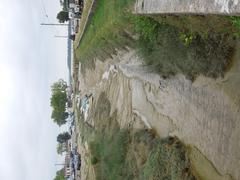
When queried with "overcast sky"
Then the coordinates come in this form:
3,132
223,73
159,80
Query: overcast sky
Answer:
31,59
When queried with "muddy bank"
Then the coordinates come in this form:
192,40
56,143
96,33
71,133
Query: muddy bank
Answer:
204,114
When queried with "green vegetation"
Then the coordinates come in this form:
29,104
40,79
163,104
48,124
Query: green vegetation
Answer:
110,152
63,137
106,31
58,102
201,44
84,17
60,175
236,23
62,16
94,160
128,154
109,143
168,160
194,52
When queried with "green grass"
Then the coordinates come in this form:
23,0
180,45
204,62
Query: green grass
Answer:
104,32
168,160
127,154
195,51
201,44
110,152
236,23
85,13
109,145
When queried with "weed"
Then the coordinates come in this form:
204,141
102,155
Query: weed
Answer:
190,45
169,51
186,38
94,160
236,21
167,160
145,27
121,154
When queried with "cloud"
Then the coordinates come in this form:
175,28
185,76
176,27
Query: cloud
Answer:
30,60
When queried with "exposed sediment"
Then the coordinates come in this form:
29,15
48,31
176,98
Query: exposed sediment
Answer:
204,114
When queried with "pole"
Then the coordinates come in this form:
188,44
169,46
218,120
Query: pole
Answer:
60,36
60,164
53,24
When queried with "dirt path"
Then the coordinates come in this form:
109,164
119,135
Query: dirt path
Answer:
204,114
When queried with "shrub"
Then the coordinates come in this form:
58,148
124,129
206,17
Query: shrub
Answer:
94,160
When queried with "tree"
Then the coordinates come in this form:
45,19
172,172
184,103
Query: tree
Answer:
61,147
62,16
59,117
60,85
63,137
60,175
58,102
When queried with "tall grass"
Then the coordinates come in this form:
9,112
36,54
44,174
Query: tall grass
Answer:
190,45
168,50
104,32
115,152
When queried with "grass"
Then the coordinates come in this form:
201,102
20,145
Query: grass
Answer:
168,160
105,32
86,10
127,154
109,145
195,52
236,23
201,44
110,152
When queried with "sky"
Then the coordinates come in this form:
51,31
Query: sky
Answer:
31,59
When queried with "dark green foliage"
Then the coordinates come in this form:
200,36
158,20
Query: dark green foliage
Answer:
62,16
63,137
146,27
59,117
167,160
94,160
169,51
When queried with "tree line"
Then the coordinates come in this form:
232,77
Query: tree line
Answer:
59,116
58,102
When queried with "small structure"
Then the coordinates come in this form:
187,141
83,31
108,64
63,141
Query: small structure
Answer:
67,167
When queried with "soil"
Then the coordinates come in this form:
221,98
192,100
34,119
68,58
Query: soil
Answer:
204,114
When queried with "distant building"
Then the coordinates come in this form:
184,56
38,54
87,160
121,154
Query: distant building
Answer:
67,167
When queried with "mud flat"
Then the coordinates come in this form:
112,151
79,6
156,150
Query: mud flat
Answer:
204,114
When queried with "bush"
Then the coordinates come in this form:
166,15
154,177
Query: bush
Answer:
194,54
168,160
94,160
